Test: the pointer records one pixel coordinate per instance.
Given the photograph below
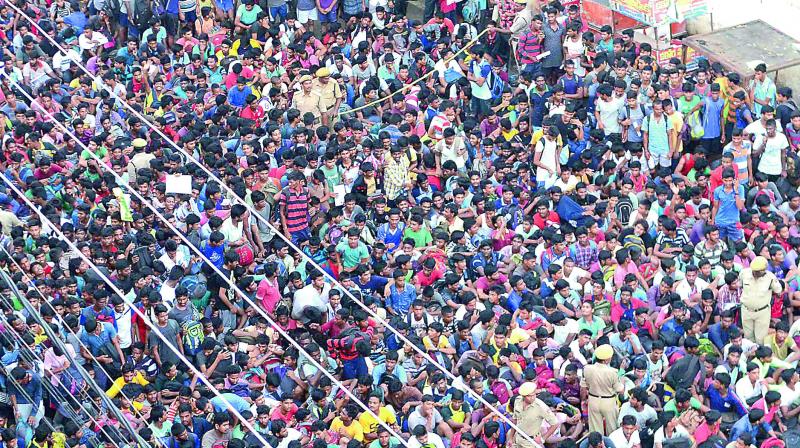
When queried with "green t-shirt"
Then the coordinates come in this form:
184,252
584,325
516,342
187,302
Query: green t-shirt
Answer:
421,238
248,17
594,326
393,442
352,257
101,152
694,403
333,176
686,106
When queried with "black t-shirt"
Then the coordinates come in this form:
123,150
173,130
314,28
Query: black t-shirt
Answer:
783,113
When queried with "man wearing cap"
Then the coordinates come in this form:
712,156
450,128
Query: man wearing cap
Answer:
309,100
141,158
331,95
600,385
528,413
758,286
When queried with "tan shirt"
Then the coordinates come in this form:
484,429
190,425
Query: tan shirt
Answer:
310,102
529,419
757,292
601,380
329,93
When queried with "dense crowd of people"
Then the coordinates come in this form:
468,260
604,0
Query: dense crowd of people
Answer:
307,224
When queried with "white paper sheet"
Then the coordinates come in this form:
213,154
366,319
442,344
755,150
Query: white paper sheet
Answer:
179,184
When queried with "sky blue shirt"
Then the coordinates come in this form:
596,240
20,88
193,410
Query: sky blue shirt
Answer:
727,213
401,301
712,112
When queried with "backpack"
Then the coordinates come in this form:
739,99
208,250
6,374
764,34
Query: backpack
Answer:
471,11
192,337
344,347
195,285
501,389
143,15
269,189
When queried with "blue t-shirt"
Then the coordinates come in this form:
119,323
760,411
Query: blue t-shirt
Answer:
712,111
236,401
728,213
238,98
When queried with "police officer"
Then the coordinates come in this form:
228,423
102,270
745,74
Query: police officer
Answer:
528,414
758,285
602,384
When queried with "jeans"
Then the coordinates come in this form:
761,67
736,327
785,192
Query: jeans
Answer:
730,231
300,236
328,17
480,107
354,368
279,11
430,8
533,68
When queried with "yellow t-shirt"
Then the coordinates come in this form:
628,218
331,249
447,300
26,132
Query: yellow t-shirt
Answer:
443,343
355,431
369,424
119,383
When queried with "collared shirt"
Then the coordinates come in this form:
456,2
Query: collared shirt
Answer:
743,426
757,292
329,93
296,204
395,176
727,403
529,47
308,102
529,418
400,301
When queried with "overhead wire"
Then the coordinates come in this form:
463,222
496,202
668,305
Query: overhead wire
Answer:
47,386
233,195
55,338
232,284
154,328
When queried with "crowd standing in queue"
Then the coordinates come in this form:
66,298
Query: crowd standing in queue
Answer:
320,224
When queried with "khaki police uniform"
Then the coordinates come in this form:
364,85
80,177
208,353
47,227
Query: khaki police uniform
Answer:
529,419
756,300
603,384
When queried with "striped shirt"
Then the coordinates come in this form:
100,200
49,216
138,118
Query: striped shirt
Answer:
529,47
295,205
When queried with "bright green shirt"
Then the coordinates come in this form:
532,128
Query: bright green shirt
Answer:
421,238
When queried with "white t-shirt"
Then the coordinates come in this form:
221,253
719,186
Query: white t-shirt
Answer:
658,438
788,395
609,114
618,437
757,130
771,158
433,440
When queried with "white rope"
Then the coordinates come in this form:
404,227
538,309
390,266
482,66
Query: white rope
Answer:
233,285
153,327
43,323
21,346
308,259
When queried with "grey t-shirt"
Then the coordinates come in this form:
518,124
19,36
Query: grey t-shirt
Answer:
417,419
553,41
181,316
170,332
637,116
76,344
